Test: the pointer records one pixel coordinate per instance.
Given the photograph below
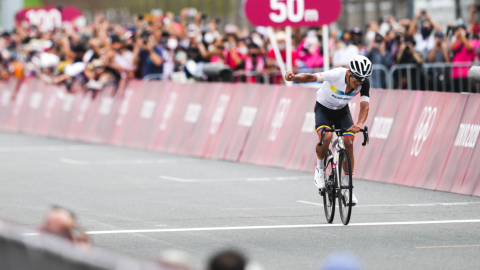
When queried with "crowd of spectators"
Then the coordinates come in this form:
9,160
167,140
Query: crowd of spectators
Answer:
191,46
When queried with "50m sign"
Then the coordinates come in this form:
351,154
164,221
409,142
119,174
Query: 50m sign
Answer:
292,12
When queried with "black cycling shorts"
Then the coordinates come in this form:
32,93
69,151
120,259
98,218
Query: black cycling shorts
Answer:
328,119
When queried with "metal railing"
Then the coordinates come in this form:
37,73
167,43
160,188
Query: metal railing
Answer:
153,77
379,78
445,77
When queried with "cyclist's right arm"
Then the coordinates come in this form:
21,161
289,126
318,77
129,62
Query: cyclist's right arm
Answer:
315,77
301,77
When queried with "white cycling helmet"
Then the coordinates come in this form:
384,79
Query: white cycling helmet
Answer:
360,67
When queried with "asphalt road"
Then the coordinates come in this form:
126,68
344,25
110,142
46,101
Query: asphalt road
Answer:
139,203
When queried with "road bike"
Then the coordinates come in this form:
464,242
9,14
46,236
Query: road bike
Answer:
337,162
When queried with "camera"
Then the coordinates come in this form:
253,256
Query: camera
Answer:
451,30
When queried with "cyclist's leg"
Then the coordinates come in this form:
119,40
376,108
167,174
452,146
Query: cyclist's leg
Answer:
322,121
348,137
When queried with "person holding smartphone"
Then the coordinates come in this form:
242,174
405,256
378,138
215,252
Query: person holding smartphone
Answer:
464,51
148,55
423,37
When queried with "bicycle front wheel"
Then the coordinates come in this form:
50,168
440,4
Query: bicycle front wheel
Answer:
345,187
329,192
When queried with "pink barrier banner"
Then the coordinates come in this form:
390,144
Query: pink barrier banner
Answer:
35,104
98,118
18,104
5,103
302,156
194,101
92,117
63,112
442,136
242,119
419,139
364,154
393,134
269,106
125,116
422,126
461,171
80,112
50,101
380,133
213,127
166,116
141,116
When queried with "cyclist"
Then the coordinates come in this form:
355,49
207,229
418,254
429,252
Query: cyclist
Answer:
340,85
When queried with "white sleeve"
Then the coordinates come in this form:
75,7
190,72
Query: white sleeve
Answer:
327,76
365,98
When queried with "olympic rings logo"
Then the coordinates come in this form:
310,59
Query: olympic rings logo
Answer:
424,126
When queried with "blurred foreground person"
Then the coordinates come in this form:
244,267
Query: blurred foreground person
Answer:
62,223
228,260
175,260
341,261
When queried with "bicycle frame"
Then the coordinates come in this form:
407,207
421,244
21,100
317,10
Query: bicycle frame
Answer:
337,145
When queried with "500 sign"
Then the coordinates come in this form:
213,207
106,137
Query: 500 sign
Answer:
292,12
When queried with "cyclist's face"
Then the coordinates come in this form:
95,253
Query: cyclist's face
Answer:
355,81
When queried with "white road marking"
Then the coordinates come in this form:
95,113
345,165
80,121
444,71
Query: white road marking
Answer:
248,179
72,161
114,162
279,227
42,148
160,225
319,204
400,205
177,179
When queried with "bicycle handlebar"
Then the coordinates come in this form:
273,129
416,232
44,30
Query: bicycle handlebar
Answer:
341,131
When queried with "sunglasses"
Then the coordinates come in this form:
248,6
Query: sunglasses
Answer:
358,79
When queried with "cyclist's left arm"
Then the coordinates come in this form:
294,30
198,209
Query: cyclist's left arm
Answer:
364,106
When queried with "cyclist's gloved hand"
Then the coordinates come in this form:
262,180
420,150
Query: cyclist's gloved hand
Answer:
355,128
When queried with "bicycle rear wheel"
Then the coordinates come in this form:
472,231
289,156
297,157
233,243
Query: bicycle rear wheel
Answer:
329,192
345,204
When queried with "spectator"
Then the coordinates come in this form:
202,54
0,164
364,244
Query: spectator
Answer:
378,55
182,45
407,55
175,260
371,31
439,53
148,55
227,260
309,52
464,52
168,54
356,35
345,51
438,77
282,46
62,223
424,40
474,25
341,261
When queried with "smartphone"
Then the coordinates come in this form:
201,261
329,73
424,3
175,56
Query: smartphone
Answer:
191,12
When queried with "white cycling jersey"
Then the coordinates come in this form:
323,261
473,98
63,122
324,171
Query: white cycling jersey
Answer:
332,93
